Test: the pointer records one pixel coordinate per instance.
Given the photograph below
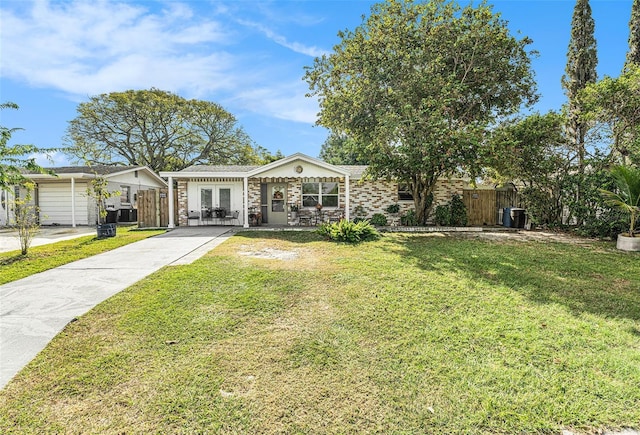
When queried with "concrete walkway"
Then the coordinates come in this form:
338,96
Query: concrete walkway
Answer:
35,309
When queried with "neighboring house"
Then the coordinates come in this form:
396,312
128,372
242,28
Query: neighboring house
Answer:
267,193
63,199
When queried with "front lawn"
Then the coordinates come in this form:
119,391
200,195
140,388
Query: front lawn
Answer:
14,266
285,333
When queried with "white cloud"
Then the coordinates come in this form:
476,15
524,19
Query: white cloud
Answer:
88,48
50,160
287,102
281,40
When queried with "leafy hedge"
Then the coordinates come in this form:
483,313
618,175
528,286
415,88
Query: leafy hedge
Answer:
378,219
452,214
349,232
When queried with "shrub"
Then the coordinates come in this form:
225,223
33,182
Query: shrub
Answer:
452,214
393,208
348,231
443,215
378,219
607,225
409,218
458,211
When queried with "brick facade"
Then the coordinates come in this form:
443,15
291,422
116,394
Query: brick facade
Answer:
367,197
371,197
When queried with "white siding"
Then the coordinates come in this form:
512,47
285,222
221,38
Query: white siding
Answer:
237,200
309,170
54,200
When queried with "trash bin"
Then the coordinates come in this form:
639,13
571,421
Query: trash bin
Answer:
518,217
112,216
506,217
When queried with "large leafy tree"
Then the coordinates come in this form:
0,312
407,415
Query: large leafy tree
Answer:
615,104
158,129
633,55
340,149
417,84
16,159
580,71
532,152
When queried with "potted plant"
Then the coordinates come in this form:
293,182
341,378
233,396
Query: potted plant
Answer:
393,210
627,199
293,208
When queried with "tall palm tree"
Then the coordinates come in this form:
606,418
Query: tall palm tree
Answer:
627,197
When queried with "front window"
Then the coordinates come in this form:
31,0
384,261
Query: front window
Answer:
323,193
404,193
125,195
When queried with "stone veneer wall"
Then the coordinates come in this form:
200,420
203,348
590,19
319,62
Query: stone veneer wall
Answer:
183,211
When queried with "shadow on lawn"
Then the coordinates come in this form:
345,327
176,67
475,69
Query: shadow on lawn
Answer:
601,283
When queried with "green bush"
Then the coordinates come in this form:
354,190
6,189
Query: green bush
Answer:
409,218
393,208
378,219
458,211
607,225
349,232
443,215
452,214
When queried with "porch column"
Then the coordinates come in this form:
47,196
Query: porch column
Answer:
347,197
246,202
73,202
172,223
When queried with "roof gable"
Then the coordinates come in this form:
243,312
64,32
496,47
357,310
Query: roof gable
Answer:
295,165
67,172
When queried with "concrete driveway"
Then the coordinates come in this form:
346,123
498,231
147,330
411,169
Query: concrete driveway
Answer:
35,309
9,238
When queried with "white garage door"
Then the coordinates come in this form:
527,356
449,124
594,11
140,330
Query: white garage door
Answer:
55,204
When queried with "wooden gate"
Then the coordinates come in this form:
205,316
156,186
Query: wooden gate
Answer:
481,207
153,208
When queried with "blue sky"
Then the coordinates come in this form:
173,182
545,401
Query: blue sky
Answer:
249,56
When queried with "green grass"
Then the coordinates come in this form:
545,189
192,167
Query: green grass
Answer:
408,334
14,266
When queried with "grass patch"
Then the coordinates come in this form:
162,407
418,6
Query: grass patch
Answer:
407,334
14,266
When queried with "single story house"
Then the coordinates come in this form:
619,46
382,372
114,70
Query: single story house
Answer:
63,200
269,194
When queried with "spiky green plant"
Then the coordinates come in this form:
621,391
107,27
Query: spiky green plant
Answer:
627,196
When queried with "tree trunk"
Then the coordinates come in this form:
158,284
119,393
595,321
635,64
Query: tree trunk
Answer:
422,189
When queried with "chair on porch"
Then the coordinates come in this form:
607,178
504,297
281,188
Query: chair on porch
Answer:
304,217
193,216
229,218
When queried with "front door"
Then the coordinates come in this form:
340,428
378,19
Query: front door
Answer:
214,197
277,195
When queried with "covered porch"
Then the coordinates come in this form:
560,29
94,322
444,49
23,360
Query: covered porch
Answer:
297,190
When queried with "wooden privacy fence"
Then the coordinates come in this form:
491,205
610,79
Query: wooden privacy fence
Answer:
153,208
481,207
484,206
